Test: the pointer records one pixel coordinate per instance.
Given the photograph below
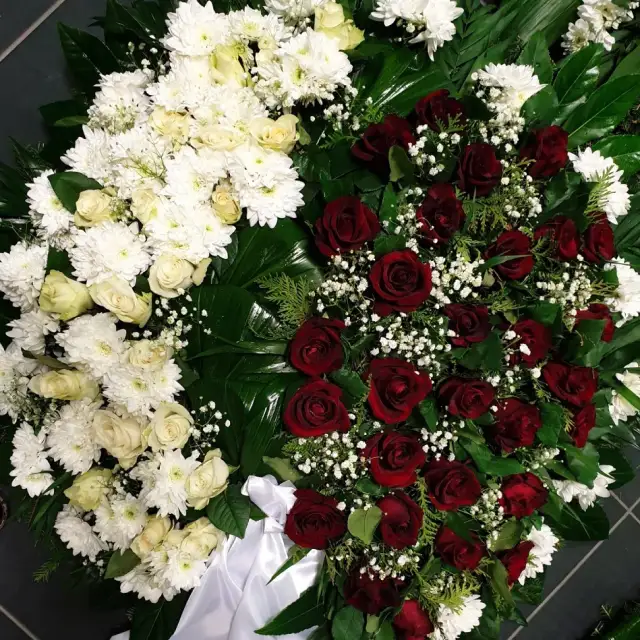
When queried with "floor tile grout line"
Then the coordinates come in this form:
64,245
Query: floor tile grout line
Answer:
620,501
29,30
18,623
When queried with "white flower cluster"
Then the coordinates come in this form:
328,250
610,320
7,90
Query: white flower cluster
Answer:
432,21
587,496
455,279
620,408
453,622
545,544
596,18
422,152
573,290
627,297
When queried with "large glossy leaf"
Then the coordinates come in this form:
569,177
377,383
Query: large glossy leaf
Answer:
230,511
549,18
629,65
624,150
603,111
305,612
536,54
157,621
572,523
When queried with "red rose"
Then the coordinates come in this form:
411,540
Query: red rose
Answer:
438,108
401,520
394,458
537,340
575,385
512,243
315,409
315,520
400,282
376,140
469,322
599,244
440,214
563,235
396,388
466,398
522,494
480,170
316,347
516,424
548,147
515,560
346,225
464,555
370,595
597,311
583,421
451,484
413,622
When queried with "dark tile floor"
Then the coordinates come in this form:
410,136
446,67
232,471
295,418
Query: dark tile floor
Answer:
583,576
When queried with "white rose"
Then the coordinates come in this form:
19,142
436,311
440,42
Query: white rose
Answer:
201,539
347,35
170,123
225,203
144,204
151,536
170,275
148,354
63,296
170,427
208,480
117,296
226,67
93,207
328,16
64,384
218,137
123,438
278,135
90,489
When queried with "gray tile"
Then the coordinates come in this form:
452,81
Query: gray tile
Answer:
630,492
16,17
9,631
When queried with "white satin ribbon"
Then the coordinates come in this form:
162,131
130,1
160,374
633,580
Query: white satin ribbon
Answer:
234,599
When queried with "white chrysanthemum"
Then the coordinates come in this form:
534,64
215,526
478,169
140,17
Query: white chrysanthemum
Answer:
29,461
277,198
14,380
93,342
109,249
195,29
620,408
249,25
593,166
142,583
163,479
50,218
578,36
176,569
452,623
293,10
616,201
77,534
627,298
70,439
120,520
518,82
545,545
22,272
568,489
91,155
29,330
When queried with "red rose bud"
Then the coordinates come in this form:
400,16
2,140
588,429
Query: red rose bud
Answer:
466,398
401,520
315,520
316,348
373,147
599,244
575,385
512,243
396,388
370,595
464,555
537,341
480,170
346,225
597,311
469,322
437,109
563,236
400,282
583,421
522,494
548,148
315,409
451,485
516,424
515,560
394,458
413,622
440,214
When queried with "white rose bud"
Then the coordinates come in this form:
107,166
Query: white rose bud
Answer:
328,16
202,538
144,204
225,203
123,438
208,480
93,207
170,427
64,384
148,354
347,35
118,296
169,274
172,124
278,135
90,489
63,296
151,536
226,67
218,137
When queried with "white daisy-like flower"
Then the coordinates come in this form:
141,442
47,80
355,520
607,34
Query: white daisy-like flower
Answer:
22,271
518,82
142,583
545,544
249,25
31,469
176,569
109,249
49,216
620,408
587,496
293,10
77,534
15,370
91,155
452,623
120,520
616,201
593,166
627,297
578,36
195,29
29,330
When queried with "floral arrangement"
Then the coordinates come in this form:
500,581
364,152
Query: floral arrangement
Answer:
403,278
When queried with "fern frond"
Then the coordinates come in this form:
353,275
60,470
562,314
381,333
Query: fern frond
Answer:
291,296
45,571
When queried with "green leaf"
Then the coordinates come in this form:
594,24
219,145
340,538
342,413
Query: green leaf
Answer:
547,17
546,313
368,486
623,150
536,54
385,632
429,411
230,511
583,463
362,523
69,185
157,621
509,535
283,468
348,624
389,207
499,581
488,463
623,473
629,65
350,382
541,108
572,523
121,563
400,165
531,591
384,244
305,612
72,121
605,108
296,554
552,416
